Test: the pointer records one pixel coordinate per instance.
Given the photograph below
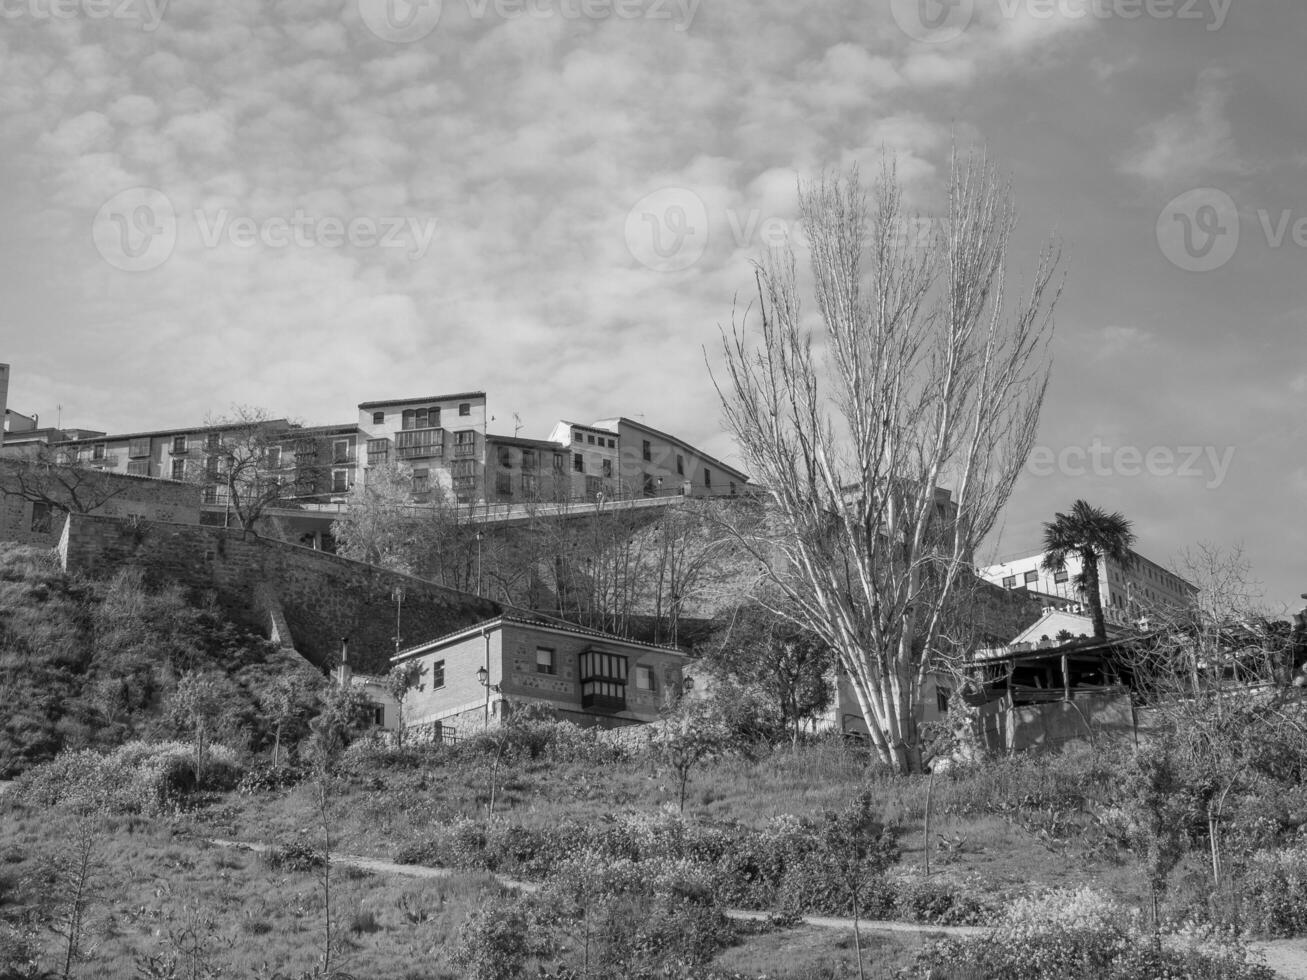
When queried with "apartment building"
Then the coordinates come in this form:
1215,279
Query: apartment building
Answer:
592,460
525,470
439,439
1128,592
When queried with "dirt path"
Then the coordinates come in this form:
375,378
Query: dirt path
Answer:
1287,957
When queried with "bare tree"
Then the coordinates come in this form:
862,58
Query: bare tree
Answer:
380,525
243,455
52,477
928,379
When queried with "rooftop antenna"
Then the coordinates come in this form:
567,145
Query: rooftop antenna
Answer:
517,424
59,417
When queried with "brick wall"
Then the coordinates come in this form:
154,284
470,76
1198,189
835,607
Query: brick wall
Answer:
323,597
123,496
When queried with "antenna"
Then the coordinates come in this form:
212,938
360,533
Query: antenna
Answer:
517,424
59,418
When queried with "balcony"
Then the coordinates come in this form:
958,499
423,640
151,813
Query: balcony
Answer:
465,449
426,443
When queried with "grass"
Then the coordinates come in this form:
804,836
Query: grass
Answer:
254,921
806,953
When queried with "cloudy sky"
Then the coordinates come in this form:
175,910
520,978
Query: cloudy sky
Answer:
304,205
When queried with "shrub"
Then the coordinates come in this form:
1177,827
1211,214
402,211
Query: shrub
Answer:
1272,893
267,778
299,855
138,777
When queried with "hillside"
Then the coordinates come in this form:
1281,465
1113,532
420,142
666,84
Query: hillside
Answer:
92,663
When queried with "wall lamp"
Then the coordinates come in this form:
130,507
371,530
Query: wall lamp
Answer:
483,678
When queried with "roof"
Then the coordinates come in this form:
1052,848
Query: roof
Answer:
283,423
534,623
522,441
425,398
609,425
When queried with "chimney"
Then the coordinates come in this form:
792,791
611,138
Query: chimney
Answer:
343,672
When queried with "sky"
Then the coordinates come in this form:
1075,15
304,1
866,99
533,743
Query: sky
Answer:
304,205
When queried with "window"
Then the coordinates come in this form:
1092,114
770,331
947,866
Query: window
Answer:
578,463
97,451
465,408
41,518
213,441
559,462
528,459
544,660
1032,578
342,451
339,481
465,442
680,465
378,418
465,474
577,437
419,444
942,694
644,679
707,477
608,467
273,457
603,680
646,451
421,480
138,448
378,451
1010,582
138,467
529,485
212,467
504,484
732,488
179,444
210,495
648,485
179,469
505,457
590,440
612,444
1061,576
438,674
378,713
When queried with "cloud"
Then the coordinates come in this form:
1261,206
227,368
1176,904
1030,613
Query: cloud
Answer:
1192,144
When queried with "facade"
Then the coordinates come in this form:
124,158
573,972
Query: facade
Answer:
651,462
592,460
438,439
466,679
527,470
1127,592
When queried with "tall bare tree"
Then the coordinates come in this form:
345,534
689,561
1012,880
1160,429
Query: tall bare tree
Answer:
922,376
243,455
53,477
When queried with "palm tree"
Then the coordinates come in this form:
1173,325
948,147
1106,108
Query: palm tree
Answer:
1089,534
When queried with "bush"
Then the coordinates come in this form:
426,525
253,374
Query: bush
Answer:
138,777
1272,893
267,778
1079,934
298,855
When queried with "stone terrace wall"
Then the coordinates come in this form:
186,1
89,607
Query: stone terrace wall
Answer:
121,496
323,597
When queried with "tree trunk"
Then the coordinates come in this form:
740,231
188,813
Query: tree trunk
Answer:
1089,569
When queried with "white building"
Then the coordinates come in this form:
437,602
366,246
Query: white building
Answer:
1127,592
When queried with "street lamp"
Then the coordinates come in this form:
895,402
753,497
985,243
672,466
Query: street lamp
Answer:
483,678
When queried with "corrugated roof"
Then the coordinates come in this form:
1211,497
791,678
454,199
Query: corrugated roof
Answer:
541,622
425,398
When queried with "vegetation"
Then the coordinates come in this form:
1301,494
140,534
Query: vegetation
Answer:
1090,534
932,377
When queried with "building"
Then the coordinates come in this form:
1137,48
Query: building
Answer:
1128,592
592,460
652,462
526,470
439,439
467,679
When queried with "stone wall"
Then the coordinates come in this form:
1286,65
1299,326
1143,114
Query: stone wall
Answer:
323,597
117,495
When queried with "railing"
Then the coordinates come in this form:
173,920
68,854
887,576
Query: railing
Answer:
465,449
